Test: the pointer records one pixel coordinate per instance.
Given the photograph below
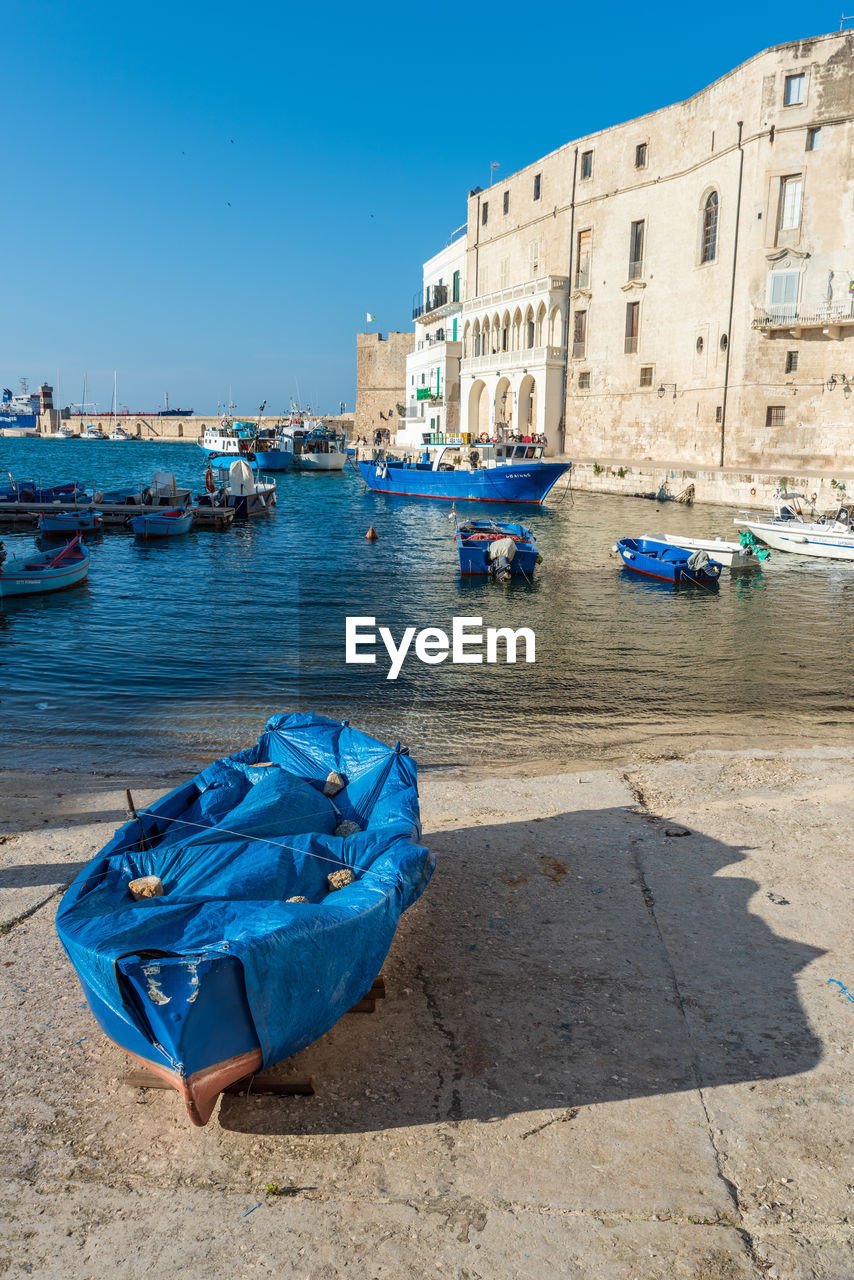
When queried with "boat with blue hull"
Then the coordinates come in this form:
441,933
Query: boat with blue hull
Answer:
266,894
34,491
162,524
662,560
69,521
19,413
44,571
497,548
460,473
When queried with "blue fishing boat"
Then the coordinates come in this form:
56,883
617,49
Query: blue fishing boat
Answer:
162,524
43,571
69,521
34,491
491,472
274,880
497,548
669,563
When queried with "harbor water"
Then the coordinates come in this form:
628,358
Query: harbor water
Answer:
173,653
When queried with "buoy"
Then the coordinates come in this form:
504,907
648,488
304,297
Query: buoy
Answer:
372,534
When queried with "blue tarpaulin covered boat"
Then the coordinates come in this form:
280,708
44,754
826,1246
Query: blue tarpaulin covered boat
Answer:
248,952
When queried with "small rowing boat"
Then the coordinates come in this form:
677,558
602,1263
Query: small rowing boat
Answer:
69,521
162,524
234,921
497,548
42,572
671,564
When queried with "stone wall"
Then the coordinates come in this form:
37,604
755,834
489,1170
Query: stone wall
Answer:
187,429
772,415
380,380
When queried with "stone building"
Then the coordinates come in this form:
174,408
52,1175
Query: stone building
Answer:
681,286
380,380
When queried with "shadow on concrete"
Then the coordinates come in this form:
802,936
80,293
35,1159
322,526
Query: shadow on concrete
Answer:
555,963
35,874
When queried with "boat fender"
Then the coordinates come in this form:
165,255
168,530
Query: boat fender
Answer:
483,438
372,534
209,481
474,457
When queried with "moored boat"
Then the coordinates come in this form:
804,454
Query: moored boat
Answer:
239,486
314,446
65,431
69,521
657,559
497,548
43,571
492,472
91,432
732,555
798,526
162,524
278,878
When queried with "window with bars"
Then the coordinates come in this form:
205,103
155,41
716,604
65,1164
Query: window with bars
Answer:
587,164
719,413
632,327
640,155
506,201
636,244
794,91
579,335
646,375
709,248
791,192
584,381
775,415
791,361
537,185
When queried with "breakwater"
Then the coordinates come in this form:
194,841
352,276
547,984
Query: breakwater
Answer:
187,428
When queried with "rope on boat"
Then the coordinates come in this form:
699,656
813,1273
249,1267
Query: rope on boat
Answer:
244,835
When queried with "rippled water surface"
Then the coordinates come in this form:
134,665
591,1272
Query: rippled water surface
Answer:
179,651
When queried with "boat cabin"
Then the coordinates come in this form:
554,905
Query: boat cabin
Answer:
468,457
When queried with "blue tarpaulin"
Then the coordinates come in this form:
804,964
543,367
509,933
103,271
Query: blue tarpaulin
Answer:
249,832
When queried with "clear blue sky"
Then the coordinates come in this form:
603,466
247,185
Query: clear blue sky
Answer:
204,196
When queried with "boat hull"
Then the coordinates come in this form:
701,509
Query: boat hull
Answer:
225,971
319,461
654,559
802,540
16,580
274,459
730,554
529,483
70,522
155,526
475,539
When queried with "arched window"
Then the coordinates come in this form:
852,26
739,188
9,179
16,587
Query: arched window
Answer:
710,228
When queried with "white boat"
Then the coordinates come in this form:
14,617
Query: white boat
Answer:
797,525
65,431
119,433
732,555
91,432
315,447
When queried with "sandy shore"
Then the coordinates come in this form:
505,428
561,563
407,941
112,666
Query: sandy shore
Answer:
609,1050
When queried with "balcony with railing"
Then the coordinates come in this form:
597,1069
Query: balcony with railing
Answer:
436,301
582,273
542,285
522,358
826,315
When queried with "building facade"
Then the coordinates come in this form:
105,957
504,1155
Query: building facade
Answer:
432,405
679,287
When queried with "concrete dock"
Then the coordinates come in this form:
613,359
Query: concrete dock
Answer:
616,1045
